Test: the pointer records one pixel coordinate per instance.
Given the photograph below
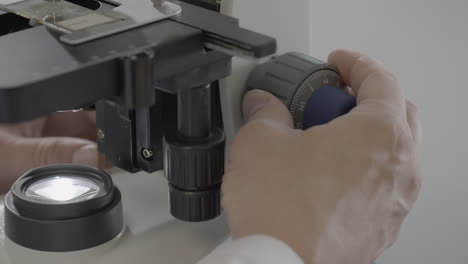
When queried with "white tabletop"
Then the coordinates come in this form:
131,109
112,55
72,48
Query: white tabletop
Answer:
426,44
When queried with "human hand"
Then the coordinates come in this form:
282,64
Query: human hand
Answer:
60,138
336,193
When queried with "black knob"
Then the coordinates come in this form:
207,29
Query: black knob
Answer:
195,206
312,90
194,170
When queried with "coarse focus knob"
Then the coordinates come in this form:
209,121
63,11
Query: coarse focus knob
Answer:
312,90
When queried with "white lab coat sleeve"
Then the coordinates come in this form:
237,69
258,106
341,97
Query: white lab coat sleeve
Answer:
258,249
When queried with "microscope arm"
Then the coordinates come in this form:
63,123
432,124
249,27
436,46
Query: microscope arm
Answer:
154,89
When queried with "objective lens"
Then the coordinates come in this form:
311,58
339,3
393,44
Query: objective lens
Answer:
63,189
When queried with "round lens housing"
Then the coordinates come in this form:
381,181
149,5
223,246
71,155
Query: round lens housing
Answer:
62,192
63,208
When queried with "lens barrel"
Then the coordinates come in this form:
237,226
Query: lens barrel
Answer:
76,220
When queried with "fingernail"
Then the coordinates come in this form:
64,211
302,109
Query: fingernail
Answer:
87,156
254,101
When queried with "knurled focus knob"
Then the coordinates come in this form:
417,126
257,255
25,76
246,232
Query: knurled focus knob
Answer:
194,171
195,206
312,90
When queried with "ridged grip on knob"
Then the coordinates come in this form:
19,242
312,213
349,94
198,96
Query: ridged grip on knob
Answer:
194,165
311,89
282,75
194,170
195,206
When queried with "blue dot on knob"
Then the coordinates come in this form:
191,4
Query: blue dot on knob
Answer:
326,104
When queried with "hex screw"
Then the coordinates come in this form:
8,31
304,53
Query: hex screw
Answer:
147,153
100,134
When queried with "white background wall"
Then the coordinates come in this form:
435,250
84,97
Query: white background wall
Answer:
426,44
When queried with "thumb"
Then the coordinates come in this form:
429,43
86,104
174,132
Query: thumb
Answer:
261,105
36,152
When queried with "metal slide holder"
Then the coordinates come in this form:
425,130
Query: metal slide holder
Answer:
80,24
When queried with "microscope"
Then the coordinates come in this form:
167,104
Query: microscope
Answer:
153,72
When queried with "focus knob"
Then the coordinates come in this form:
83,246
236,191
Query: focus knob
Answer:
312,90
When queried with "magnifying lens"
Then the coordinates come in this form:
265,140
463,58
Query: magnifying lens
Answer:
63,189
63,208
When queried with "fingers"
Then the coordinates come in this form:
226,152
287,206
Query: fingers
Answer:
265,117
261,105
91,116
369,79
71,124
28,153
412,116
90,156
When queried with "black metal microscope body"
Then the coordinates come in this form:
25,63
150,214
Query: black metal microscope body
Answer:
154,88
